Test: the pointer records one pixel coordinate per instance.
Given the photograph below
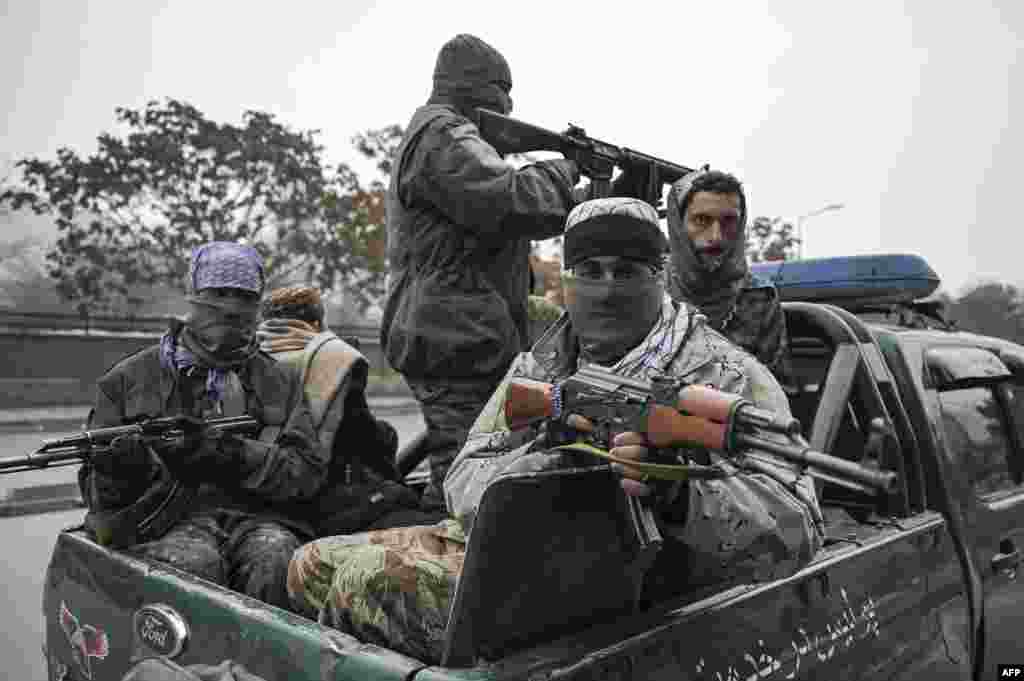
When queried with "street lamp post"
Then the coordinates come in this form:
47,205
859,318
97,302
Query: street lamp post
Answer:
813,213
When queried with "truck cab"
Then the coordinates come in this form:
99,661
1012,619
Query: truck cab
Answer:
919,583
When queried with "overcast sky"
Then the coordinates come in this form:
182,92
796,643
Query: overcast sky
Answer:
900,111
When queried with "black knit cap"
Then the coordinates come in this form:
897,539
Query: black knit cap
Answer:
613,226
467,61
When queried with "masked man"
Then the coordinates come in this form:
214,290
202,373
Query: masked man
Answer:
741,527
460,221
217,505
362,490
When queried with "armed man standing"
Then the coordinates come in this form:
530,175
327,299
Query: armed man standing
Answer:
217,505
460,220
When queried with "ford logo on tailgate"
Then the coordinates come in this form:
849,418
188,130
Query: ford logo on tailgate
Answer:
161,629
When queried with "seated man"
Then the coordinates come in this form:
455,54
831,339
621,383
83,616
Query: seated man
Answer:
216,505
707,227
362,489
394,588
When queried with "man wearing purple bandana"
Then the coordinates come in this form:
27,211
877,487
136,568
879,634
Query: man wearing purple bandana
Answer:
219,506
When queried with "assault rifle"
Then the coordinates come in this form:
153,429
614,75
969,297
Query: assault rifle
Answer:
82,446
673,414
597,159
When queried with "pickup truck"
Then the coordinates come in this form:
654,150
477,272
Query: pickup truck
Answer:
920,583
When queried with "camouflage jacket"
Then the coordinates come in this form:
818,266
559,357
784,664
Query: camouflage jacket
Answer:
362,479
745,525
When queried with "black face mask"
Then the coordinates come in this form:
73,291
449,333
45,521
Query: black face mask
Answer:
467,97
223,327
612,317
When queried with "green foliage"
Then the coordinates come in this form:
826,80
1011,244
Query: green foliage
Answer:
770,239
129,214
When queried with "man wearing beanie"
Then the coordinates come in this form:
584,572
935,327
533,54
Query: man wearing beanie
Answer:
460,221
216,505
745,526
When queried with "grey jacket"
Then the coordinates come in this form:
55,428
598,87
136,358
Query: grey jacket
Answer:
748,525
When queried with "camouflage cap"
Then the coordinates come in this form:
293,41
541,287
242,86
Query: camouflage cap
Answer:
613,226
226,264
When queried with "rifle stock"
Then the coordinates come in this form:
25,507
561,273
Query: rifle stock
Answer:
672,417
81,446
511,136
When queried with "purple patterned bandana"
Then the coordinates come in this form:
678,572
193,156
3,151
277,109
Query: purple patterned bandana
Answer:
226,264
218,264
176,357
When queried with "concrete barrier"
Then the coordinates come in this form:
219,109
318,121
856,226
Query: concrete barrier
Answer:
43,364
44,367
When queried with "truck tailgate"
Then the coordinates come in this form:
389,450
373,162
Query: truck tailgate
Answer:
98,624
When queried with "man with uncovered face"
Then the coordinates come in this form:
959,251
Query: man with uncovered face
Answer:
745,526
216,505
707,225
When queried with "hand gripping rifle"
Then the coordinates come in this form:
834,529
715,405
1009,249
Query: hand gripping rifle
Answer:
674,414
597,159
82,446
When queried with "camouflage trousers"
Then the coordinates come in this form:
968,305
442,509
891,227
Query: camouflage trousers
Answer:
162,669
239,550
449,410
391,587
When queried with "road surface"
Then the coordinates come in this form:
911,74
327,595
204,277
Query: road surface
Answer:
27,541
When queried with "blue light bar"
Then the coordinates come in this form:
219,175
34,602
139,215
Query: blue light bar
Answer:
851,281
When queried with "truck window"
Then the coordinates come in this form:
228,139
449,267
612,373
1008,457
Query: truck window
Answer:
977,434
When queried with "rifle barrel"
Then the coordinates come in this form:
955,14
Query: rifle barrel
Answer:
38,460
80,446
880,480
